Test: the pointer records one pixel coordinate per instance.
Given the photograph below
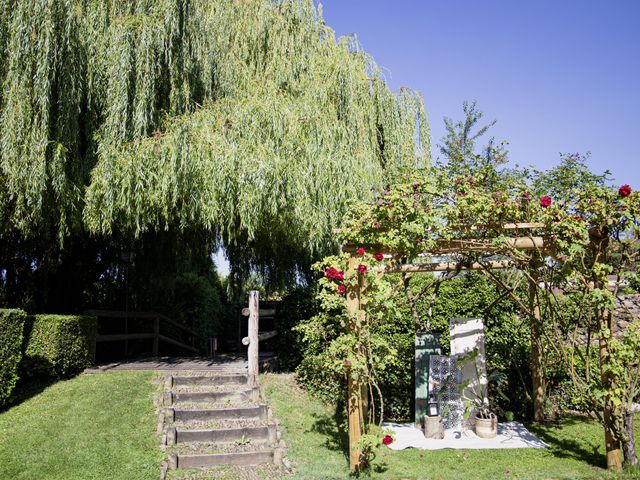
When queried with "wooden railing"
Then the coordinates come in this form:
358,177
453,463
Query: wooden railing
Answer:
158,320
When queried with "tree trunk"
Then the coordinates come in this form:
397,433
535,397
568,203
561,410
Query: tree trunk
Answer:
611,443
628,441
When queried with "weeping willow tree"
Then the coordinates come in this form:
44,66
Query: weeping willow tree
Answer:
246,119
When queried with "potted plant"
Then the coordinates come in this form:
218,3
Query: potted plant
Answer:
476,399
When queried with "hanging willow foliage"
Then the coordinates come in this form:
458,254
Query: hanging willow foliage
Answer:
245,118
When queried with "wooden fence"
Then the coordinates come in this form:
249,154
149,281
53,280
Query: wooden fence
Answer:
155,336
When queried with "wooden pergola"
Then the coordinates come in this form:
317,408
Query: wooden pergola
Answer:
542,245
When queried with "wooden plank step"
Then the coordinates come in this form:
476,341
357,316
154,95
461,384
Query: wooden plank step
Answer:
259,411
213,397
210,380
262,433
213,459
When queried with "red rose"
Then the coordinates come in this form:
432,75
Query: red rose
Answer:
341,289
545,202
360,251
526,196
377,225
387,440
362,268
416,186
624,190
331,273
378,256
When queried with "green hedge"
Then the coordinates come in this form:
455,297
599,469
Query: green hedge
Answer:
58,345
11,327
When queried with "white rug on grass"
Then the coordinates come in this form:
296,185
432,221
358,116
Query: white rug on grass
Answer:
510,435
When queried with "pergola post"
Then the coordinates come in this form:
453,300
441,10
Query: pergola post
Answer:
537,350
599,238
354,385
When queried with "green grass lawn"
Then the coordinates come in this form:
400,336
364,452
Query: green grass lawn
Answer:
90,427
103,427
317,447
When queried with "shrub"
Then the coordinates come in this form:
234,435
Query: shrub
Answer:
11,328
58,345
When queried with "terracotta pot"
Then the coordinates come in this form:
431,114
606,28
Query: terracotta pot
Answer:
487,427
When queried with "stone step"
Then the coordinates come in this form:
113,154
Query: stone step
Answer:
249,395
182,415
213,459
219,423
258,434
179,381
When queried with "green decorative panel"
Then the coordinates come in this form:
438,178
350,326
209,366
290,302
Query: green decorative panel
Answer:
426,344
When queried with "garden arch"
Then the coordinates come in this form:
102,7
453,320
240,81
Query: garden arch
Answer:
539,245
589,231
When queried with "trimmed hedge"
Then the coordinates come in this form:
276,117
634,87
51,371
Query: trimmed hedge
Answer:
58,345
11,327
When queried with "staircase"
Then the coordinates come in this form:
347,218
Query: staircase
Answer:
213,419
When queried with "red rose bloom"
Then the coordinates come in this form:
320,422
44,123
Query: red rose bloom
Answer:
624,190
378,256
387,440
362,268
360,251
341,289
545,202
331,273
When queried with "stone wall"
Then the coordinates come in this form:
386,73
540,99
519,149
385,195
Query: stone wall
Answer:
627,310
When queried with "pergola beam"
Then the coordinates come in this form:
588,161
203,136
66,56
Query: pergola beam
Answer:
464,245
446,267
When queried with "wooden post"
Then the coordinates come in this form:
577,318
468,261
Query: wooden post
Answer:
156,337
252,353
599,241
354,387
354,407
537,350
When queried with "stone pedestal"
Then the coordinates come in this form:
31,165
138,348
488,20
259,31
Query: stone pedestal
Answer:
433,427
467,335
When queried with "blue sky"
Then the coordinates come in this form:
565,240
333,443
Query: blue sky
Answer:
558,76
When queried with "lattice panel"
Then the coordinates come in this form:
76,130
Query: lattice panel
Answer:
444,380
